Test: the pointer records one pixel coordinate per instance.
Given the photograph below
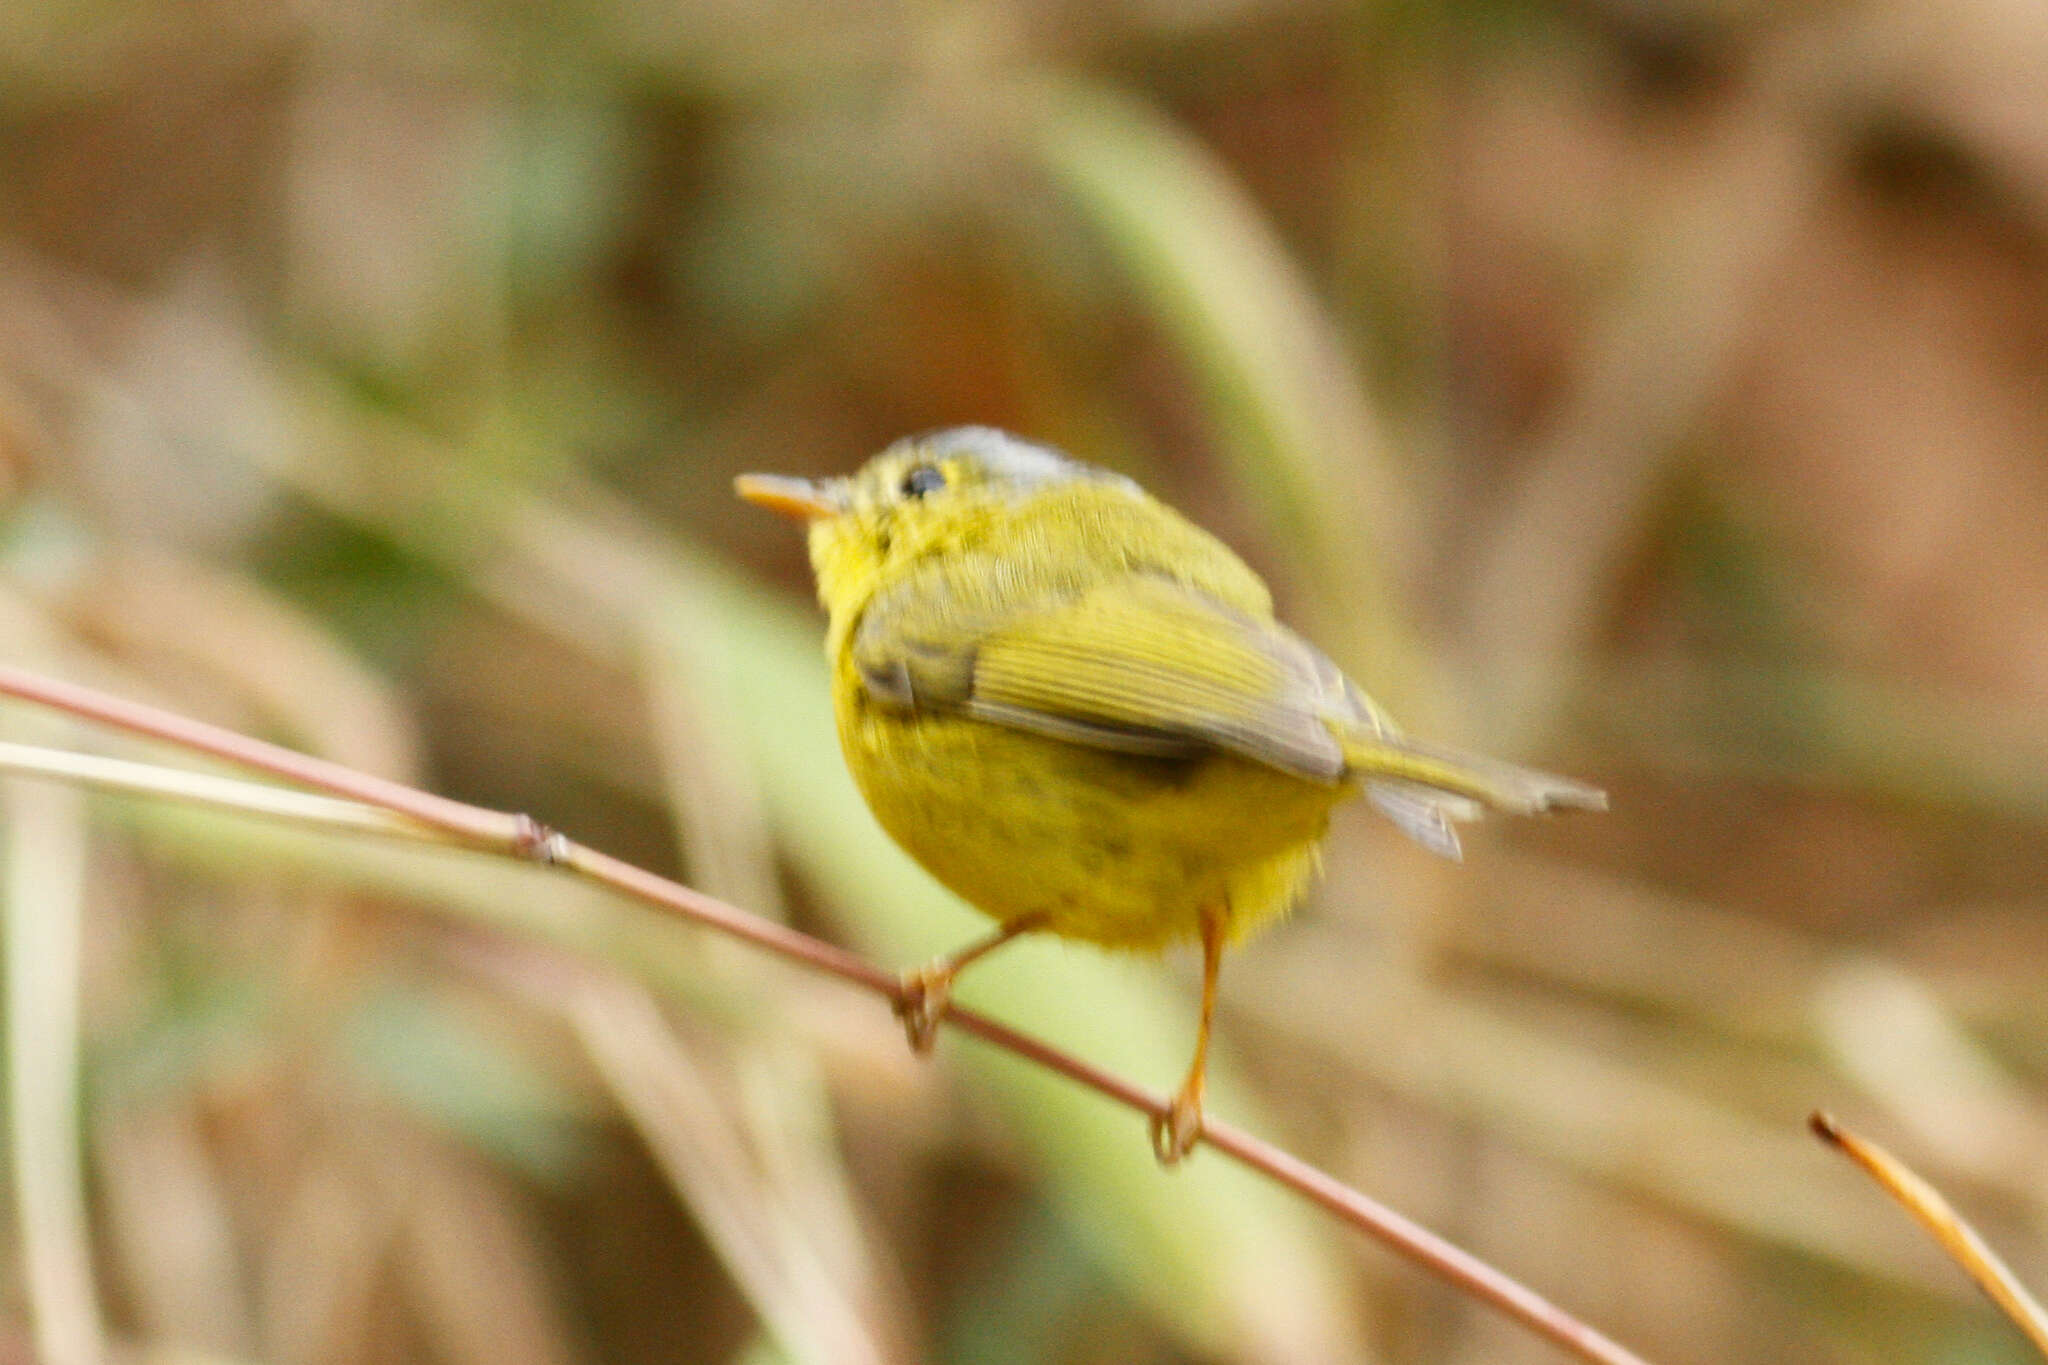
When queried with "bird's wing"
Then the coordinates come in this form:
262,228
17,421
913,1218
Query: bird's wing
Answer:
1135,663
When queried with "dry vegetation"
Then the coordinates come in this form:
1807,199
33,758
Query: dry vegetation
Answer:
1655,391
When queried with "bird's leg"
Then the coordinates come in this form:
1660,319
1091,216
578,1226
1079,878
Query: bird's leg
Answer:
929,989
1174,1132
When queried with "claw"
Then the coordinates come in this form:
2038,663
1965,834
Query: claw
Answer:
927,992
1175,1132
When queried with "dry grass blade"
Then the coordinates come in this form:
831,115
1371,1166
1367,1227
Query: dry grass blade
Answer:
520,837
202,789
1235,301
45,853
760,1232
673,1105
1945,1225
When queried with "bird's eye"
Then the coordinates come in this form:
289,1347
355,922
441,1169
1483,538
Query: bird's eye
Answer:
923,479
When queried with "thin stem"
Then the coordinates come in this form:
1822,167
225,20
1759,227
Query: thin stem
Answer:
100,773
1944,1224
521,837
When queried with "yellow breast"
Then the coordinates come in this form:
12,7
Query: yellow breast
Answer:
1120,849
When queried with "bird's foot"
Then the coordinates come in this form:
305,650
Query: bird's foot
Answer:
927,991
1176,1130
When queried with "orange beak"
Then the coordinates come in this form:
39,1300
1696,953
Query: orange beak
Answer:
801,499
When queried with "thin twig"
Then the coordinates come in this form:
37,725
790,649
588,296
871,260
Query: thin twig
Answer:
521,837
1944,1224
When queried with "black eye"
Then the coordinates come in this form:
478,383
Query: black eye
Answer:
922,480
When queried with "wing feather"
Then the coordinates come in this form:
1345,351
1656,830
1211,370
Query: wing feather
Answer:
1139,664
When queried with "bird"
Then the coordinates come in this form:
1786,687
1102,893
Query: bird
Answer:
1077,710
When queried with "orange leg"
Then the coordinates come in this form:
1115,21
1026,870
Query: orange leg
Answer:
928,990
1175,1132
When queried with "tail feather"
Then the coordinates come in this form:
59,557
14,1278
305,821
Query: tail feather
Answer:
1422,787
1423,814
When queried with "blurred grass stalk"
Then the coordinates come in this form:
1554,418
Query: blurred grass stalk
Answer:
1284,395
766,1230
45,851
1656,351
203,789
1904,1047
784,1109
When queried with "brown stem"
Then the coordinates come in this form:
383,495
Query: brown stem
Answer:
1950,1232
521,837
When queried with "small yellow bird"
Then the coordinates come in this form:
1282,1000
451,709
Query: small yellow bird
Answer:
1075,709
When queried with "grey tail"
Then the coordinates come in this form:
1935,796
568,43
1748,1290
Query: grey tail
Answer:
1424,814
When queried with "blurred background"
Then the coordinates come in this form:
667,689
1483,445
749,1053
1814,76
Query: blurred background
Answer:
1651,389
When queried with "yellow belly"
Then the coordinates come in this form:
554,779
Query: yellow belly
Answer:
1119,849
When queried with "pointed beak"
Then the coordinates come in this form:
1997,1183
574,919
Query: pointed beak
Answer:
801,499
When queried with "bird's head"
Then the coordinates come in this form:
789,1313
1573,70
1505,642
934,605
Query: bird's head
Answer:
923,495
